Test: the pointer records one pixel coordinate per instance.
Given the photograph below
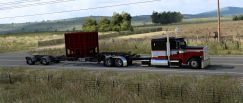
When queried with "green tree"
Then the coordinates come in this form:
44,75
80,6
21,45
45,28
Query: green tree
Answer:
166,17
240,17
104,24
126,22
155,17
90,25
121,22
125,26
126,16
116,22
235,18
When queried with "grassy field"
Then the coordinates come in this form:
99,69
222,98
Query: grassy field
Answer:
22,41
28,85
198,34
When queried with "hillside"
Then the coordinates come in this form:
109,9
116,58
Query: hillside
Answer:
76,23
227,11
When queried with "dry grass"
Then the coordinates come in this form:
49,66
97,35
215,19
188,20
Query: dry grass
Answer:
145,35
208,29
140,43
28,41
73,89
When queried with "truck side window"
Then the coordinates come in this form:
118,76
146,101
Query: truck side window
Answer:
183,45
159,45
173,45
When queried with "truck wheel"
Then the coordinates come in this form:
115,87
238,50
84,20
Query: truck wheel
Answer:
44,61
29,61
108,62
118,63
57,61
194,63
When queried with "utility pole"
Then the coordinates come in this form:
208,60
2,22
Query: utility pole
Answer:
219,29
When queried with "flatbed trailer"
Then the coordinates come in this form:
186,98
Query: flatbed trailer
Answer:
109,59
167,51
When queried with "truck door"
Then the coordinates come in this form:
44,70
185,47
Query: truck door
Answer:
159,53
174,50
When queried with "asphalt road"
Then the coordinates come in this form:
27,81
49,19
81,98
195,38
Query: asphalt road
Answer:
220,65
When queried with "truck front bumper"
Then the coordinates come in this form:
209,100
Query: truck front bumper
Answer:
205,63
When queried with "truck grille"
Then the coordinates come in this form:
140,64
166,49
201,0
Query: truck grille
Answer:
205,53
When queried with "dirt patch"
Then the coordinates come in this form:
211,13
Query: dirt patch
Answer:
145,35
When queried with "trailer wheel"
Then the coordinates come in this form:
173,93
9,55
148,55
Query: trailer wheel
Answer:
44,61
194,63
29,61
108,62
118,63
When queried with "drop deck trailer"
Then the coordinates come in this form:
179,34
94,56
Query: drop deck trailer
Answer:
167,51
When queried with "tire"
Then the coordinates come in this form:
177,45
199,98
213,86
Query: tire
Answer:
195,63
108,62
29,61
57,61
44,61
118,63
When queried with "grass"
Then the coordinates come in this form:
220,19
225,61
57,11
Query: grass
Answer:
18,42
25,89
140,43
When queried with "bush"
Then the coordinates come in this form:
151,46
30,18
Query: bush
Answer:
237,18
89,25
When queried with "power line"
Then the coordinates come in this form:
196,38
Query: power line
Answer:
35,4
58,12
18,2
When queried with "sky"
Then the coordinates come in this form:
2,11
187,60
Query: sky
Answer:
13,8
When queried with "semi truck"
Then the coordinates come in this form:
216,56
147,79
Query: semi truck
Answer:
165,51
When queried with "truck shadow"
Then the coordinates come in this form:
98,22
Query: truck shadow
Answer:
210,67
218,67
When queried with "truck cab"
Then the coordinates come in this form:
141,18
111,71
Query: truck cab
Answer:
174,52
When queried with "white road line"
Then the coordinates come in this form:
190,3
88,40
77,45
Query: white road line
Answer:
202,72
7,60
238,57
230,64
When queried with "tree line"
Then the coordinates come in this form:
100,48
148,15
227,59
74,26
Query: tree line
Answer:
118,22
237,18
122,22
166,17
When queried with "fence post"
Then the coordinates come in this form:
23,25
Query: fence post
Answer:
161,91
48,78
182,94
138,89
213,96
61,81
35,78
10,79
113,83
219,97
98,85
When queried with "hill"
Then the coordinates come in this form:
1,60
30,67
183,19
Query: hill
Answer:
76,23
227,11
